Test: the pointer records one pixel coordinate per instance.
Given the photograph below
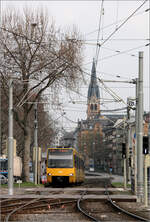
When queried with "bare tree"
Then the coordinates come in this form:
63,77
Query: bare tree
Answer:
38,56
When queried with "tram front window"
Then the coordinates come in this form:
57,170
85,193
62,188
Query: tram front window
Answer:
60,158
60,163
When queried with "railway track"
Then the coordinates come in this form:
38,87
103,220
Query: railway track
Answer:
83,208
106,210
93,210
35,206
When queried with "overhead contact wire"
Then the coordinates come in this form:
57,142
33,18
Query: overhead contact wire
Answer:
100,19
122,24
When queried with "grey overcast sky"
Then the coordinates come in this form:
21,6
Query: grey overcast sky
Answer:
117,57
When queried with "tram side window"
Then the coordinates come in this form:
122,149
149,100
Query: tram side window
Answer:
77,162
4,165
75,158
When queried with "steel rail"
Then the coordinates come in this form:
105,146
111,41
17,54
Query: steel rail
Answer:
50,204
114,205
123,210
7,199
83,211
17,209
9,205
12,205
127,212
24,207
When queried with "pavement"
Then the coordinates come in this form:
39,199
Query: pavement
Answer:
31,191
113,177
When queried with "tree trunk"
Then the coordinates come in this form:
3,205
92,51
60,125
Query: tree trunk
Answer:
26,155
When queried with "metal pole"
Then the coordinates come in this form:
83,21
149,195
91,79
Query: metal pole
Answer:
128,143
148,169
124,159
149,133
10,140
136,132
0,122
0,110
129,147
145,184
140,132
125,176
35,144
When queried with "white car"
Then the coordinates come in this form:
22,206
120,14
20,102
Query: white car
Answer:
91,169
3,179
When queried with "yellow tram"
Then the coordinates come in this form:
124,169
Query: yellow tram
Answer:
64,165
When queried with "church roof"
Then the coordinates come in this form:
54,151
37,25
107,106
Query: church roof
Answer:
93,87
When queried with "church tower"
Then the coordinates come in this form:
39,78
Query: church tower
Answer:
93,102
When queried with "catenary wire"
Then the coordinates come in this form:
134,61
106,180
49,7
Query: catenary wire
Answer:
122,23
99,28
114,23
123,52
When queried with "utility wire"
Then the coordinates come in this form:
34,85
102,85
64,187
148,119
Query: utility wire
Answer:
118,51
100,19
109,91
122,23
114,23
123,52
113,75
117,9
115,39
114,95
70,120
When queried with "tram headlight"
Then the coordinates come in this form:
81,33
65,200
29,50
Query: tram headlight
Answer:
49,174
71,174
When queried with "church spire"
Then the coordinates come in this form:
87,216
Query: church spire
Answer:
93,87
93,94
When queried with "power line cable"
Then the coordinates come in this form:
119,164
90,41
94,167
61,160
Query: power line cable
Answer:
70,120
114,23
122,24
113,94
113,75
118,51
117,9
109,91
99,28
76,92
123,52
115,39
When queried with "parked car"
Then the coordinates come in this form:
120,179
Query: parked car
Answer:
3,179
